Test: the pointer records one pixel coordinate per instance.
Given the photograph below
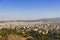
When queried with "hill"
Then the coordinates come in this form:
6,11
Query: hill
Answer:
38,20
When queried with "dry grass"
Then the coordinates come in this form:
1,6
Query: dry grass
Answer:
12,37
15,37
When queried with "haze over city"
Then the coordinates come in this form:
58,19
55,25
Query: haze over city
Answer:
29,9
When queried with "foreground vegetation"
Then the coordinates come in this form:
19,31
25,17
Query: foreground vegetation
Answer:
28,35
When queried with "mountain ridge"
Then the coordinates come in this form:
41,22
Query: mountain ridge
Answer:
37,20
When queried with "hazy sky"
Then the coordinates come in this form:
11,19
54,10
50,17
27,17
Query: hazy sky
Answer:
29,9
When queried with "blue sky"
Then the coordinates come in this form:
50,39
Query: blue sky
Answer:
29,9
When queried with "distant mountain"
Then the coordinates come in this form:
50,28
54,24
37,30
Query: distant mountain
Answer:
38,20
42,20
50,20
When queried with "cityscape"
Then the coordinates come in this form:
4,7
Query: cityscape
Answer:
24,28
29,19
